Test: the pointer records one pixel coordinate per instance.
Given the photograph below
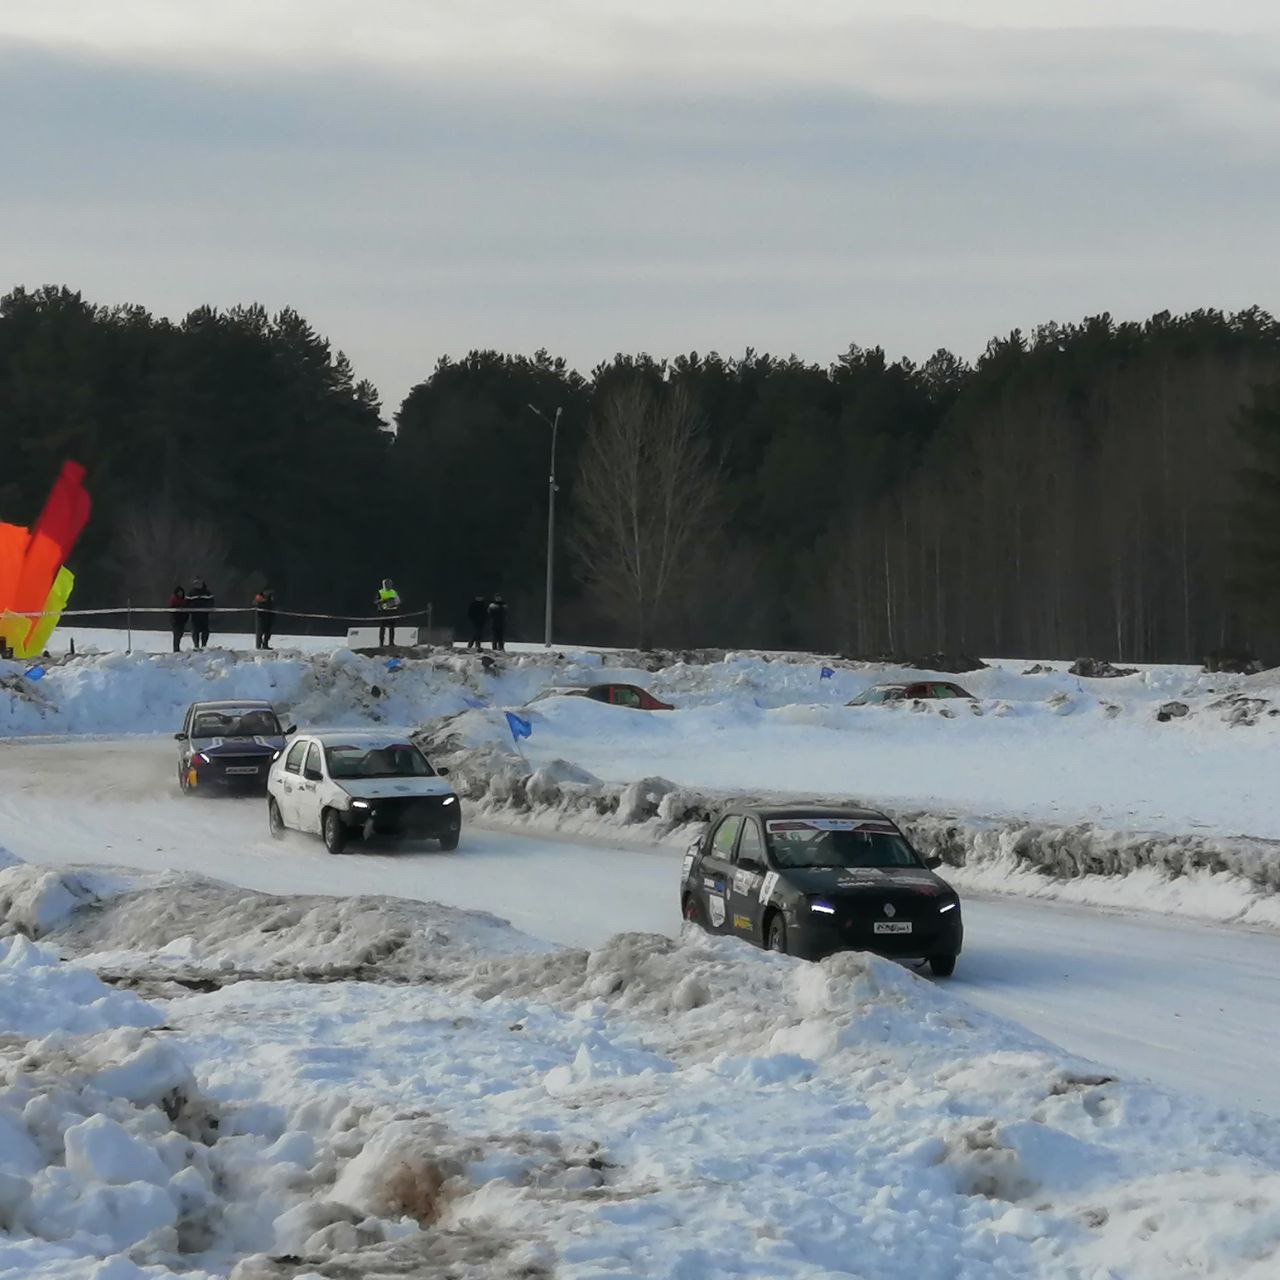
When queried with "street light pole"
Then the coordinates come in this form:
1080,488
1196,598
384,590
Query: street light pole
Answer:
554,424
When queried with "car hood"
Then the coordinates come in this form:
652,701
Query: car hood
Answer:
385,788
853,882
238,746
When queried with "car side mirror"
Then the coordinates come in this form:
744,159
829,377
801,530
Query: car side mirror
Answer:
313,775
293,728
181,737
750,864
933,863
442,773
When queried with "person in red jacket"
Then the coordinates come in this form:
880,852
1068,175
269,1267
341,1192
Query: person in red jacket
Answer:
178,616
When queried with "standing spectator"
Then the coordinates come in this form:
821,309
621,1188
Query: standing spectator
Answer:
388,602
200,600
178,616
264,606
498,622
477,612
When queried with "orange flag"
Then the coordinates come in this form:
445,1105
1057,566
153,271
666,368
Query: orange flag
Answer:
13,546
65,513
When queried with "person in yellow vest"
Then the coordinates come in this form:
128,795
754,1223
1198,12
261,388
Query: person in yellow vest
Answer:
388,601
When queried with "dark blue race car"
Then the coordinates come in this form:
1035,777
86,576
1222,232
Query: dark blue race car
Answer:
228,746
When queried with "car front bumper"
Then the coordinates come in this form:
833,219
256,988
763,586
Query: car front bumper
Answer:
241,775
814,937
427,817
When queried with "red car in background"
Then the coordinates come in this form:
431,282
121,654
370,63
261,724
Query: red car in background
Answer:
616,695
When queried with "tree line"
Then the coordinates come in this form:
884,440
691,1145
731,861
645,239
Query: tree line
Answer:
1100,488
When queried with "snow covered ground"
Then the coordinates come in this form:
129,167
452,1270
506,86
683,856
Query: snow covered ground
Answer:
288,1074
472,1103
1139,994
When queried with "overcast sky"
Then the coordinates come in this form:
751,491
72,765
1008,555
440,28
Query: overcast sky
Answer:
421,177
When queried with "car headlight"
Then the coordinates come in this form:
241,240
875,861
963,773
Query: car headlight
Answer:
200,755
359,804
449,800
948,906
822,908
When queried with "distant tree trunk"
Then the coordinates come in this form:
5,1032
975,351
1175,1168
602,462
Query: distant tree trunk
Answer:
646,503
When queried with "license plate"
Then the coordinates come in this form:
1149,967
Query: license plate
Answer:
243,768
891,926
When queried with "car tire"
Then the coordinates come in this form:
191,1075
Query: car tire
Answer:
275,819
333,832
775,938
450,842
691,910
942,966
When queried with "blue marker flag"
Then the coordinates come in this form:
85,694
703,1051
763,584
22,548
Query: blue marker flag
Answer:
394,664
826,673
519,728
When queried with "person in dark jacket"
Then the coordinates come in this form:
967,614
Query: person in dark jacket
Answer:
498,622
264,617
477,613
200,601
178,616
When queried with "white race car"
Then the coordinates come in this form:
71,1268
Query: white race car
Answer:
344,785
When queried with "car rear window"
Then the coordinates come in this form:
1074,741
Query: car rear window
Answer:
837,842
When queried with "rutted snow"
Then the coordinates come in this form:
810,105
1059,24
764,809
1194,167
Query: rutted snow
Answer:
653,1108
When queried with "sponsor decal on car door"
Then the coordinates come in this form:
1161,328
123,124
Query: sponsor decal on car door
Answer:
291,783
309,790
717,870
748,880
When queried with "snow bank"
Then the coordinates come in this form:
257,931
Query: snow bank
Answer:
1212,878
654,1107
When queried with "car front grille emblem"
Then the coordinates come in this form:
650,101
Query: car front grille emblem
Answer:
888,910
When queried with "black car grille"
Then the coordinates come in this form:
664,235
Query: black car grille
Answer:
857,917
407,813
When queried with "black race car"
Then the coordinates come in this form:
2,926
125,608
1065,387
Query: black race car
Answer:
811,880
228,746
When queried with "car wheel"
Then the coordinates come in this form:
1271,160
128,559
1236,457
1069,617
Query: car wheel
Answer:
776,938
450,842
335,834
691,910
275,819
942,966
183,785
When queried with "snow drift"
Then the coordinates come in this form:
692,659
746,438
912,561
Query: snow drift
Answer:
652,1107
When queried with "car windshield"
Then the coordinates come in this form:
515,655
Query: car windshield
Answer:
877,693
398,760
837,842
236,722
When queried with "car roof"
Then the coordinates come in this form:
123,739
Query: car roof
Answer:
361,738
256,704
768,812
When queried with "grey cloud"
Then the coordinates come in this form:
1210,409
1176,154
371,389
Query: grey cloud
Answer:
411,219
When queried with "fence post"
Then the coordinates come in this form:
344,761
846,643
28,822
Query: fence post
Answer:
128,645
429,640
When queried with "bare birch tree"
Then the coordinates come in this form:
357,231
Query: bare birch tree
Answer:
646,503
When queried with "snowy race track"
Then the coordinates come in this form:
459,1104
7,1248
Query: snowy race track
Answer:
1186,1005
